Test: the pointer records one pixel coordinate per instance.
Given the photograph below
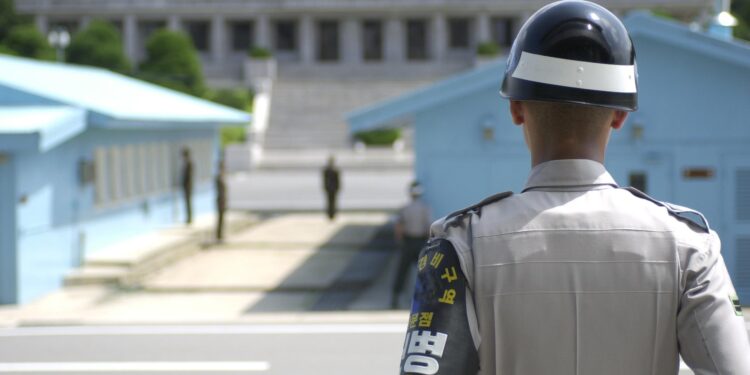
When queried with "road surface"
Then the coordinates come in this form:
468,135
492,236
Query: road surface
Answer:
331,349
288,349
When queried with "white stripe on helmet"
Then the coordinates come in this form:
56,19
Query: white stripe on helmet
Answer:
576,74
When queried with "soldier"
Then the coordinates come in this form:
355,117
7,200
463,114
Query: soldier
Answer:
187,184
221,201
574,275
411,229
331,185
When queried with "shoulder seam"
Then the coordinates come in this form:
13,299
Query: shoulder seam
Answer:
676,212
476,208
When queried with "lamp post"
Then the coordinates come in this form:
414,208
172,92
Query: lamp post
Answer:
59,39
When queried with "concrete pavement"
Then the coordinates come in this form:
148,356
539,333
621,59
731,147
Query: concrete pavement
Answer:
285,263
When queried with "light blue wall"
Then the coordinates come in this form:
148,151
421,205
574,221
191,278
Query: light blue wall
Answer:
59,223
694,112
456,164
7,236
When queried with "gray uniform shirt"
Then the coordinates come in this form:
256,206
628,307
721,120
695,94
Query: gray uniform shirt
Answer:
576,276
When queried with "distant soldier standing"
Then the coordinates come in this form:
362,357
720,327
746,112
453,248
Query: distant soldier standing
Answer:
187,184
412,230
221,201
331,185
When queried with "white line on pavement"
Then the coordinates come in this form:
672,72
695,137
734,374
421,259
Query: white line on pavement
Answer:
204,330
77,367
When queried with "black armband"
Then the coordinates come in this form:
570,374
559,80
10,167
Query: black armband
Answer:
438,340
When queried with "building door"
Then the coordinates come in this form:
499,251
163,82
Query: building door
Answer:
736,212
7,232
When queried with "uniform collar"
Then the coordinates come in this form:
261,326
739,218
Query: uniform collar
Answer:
569,173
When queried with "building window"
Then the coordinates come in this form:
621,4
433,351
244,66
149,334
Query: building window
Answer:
638,180
242,35
372,40
285,36
199,33
328,41
115,177
165,177
502,31
416,39
460,33
142,170
128,172
101,189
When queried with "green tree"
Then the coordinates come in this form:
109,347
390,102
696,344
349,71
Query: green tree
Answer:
27,41
172,61
100,45
9,18
741,10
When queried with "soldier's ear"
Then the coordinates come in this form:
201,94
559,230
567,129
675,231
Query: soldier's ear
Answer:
619,119
516,112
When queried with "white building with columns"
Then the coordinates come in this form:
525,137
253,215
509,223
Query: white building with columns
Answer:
351,37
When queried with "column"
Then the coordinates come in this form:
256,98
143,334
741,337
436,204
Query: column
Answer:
42,23
438,36
263,31
218,38
174,23
307,40
351,34
483,28
130,37
394,40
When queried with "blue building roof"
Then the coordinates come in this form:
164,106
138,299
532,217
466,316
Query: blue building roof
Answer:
40,128
639,24
113,100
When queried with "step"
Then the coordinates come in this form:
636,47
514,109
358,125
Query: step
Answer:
310,113
95,275
127,262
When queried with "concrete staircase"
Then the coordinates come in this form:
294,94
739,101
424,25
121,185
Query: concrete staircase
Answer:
309,113
125,264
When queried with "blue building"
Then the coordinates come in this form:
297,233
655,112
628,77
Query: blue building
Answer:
687,143
89,157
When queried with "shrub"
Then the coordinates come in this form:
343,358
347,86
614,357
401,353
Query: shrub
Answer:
235,98
488,49
232,134
7,51
99,45
172,61
259,53
379,137
27,41
663,13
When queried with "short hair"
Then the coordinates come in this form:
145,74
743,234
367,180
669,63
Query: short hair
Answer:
566,119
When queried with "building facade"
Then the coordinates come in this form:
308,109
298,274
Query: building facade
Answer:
89,158
320,36
686,144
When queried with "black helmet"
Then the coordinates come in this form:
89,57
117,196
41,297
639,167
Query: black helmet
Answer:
573,51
